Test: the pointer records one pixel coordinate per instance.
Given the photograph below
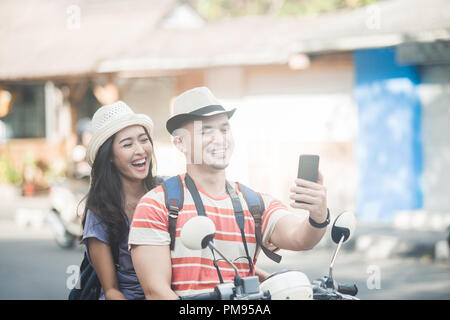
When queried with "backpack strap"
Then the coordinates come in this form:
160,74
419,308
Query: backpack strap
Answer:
256,207
115,253
174,197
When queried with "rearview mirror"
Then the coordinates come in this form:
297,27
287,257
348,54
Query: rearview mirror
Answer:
343,226
197,232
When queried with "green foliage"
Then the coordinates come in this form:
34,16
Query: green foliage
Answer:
219,9
32,170
8,174
302,7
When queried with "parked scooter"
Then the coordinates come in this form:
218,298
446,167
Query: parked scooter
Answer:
198,233
66,194
64,216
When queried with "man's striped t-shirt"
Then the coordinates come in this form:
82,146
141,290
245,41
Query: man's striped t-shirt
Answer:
193,271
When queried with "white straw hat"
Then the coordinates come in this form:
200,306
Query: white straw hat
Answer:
195,103
110,119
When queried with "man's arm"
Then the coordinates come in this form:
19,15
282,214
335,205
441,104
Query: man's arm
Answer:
154,270
293,232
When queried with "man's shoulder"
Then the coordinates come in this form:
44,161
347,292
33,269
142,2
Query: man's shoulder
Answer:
156,194
245,189
269,200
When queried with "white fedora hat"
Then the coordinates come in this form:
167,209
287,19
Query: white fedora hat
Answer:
110,119
193,104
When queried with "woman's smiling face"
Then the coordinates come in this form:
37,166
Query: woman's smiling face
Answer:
132,153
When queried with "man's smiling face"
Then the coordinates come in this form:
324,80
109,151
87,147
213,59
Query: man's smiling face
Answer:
211,144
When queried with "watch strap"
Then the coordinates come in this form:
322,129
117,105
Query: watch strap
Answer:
323,224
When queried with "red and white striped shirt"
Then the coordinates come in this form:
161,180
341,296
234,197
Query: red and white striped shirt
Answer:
193,271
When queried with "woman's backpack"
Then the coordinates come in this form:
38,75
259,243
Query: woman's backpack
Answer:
88,286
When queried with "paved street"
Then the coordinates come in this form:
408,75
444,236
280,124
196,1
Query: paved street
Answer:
34,267
391,279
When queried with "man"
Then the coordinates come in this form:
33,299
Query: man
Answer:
201,130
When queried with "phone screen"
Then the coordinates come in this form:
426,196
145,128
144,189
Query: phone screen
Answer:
308,168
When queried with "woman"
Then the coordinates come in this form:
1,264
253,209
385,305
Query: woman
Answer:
120,153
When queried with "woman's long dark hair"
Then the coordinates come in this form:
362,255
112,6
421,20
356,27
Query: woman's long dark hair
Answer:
105,197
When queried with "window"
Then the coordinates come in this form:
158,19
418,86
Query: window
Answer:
26,116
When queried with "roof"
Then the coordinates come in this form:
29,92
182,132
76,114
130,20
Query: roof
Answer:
130,37
67,37
263,40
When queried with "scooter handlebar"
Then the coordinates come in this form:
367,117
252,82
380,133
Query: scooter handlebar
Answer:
348,289
202,296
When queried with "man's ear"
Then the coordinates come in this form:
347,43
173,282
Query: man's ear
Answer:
182,139
178,142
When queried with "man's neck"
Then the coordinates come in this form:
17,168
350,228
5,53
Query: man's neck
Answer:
210,180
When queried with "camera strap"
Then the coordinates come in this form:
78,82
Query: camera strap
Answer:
237,207
239,216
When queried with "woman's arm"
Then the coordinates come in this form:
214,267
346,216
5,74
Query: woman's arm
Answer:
153,268
102,260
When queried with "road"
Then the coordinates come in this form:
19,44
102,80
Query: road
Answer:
383,279
33,267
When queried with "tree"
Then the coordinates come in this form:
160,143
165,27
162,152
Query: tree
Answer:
219,9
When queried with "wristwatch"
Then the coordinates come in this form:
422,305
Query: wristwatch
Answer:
323,224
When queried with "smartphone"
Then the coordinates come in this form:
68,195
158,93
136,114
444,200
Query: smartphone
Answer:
308,168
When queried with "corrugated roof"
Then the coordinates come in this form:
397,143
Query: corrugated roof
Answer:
43,39
270,40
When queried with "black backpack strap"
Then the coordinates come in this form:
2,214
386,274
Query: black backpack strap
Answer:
174,196
115,254
88,286
115,247
256,207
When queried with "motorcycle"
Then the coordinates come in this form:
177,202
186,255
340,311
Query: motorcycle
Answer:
66,194
65,197
198,233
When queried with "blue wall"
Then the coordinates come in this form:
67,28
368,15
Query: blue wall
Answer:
389,147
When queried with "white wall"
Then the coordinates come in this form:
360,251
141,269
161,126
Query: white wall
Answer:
152,96
435,98
282,114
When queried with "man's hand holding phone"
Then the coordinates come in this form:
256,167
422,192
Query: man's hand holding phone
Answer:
310,195
313,196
